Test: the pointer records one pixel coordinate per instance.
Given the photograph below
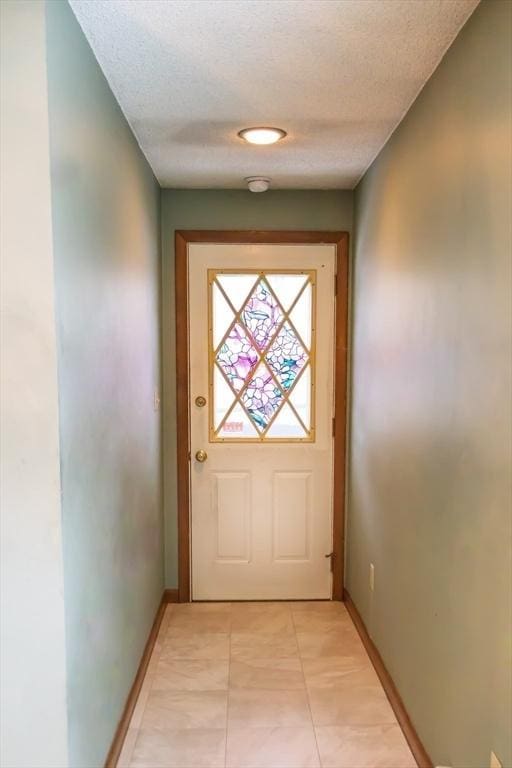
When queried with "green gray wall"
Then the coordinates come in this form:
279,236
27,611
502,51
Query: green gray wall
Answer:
431,392
224,209
107,270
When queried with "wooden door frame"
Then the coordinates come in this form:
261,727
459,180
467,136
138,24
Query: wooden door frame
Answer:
184,238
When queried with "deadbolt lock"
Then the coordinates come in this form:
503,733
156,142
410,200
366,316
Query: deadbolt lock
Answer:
200,401
201,456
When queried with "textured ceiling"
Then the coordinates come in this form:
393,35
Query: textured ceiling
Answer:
338,75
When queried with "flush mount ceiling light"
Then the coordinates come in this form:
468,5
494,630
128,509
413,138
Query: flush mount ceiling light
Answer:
262,135
258,183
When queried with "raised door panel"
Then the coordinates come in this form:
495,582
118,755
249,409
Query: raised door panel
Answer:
292,515
232,511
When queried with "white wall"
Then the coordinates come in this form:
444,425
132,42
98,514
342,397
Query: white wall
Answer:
33,696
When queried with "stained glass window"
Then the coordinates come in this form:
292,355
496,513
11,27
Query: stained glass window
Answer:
262,355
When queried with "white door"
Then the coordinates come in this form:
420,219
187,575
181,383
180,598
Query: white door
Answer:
261,327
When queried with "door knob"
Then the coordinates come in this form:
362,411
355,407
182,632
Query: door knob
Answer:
200,401
201,456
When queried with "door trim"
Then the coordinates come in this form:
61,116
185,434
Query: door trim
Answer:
183,238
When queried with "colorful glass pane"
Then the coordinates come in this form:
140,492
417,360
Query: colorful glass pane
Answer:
286,357
262,397
261,373
262,314
237,357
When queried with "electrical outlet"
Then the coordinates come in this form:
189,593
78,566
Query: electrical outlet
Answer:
372,577
156,399
495,763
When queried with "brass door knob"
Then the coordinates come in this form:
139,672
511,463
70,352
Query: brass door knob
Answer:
200,401
201,456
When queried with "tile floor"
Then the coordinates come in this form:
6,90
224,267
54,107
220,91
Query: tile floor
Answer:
262,685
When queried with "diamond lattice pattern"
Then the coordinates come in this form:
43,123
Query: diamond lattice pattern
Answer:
261,356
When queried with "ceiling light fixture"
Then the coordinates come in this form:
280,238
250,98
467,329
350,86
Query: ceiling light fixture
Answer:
262,135
258,183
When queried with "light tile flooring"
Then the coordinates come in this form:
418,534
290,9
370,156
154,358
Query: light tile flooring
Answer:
262,685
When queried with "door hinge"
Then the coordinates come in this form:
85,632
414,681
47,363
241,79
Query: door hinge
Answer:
335,285
333,426
331,557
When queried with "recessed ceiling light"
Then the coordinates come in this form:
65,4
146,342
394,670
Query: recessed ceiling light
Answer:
262,135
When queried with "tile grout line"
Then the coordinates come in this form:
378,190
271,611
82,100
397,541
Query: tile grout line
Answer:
306,688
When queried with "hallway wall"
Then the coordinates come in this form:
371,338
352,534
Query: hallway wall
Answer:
105,205
32,643
431,443
224,209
